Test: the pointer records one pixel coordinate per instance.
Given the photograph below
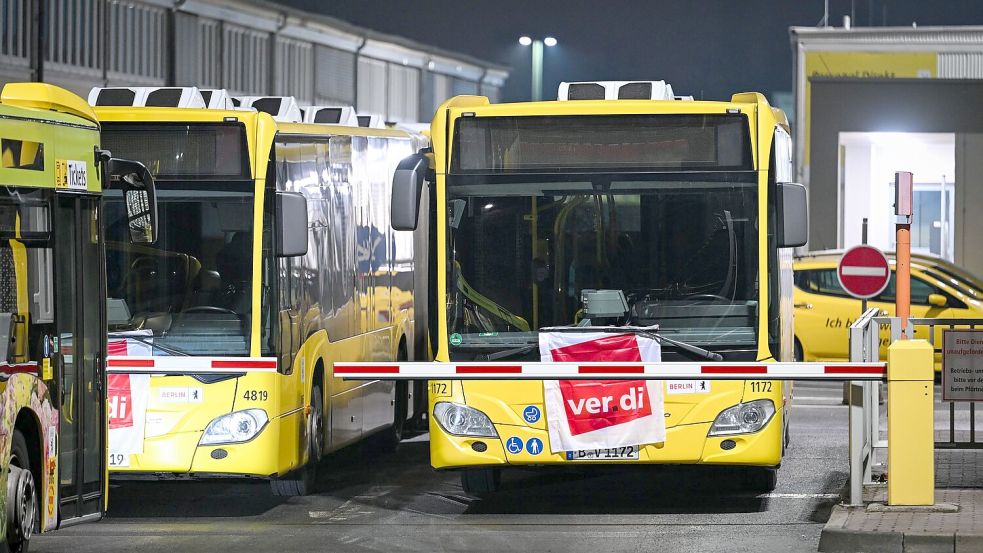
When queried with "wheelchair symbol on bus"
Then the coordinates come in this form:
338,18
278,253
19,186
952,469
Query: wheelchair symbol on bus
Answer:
514,445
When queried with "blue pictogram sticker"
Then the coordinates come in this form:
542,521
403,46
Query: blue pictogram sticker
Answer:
531,414
534,446
514,445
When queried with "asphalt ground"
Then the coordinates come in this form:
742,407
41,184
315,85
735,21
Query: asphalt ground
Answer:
369,501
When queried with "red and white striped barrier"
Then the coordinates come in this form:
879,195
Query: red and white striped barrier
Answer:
612,371
190,364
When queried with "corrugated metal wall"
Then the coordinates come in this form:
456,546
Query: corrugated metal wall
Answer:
372,78
334,76
960,65
129,42
294,69
403,93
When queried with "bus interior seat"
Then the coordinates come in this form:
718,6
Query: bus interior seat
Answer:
207,287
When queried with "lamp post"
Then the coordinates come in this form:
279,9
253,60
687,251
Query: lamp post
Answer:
537,62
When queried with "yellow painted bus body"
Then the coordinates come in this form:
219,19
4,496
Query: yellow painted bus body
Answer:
688,417
52,179
304,349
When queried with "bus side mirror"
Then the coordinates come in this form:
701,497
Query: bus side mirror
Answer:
407,188
937,300
140,197
793,215
291,216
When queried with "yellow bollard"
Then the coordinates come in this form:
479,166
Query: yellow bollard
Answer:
910,423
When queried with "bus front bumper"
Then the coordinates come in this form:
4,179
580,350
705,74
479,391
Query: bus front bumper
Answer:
685,444
179,454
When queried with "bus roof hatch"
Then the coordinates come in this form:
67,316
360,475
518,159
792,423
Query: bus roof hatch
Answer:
616,90
282,108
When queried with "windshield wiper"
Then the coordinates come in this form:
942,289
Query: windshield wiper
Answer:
705,353
502,354
167,349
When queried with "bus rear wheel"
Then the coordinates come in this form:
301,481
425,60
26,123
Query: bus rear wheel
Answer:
303,480
22,496
481,482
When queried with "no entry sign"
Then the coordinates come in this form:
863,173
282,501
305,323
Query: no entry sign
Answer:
863,272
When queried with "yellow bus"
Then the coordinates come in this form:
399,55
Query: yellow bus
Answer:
681,211
276,258
52,307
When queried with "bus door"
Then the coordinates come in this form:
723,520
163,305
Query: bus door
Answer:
81,322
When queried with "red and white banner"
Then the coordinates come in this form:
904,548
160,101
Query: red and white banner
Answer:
127,398
591,414
135,343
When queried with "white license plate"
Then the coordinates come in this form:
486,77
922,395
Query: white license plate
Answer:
628,452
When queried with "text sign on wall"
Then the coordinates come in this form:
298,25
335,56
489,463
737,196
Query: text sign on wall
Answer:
962,365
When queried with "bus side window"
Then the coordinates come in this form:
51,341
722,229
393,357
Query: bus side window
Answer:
24,232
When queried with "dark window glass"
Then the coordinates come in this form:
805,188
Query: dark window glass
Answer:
115,97
920,291
164,97
268,105
206,95
364,120
22,154
597,143
684,253
635,91
585,91
180,150
328,115
192,288
822,281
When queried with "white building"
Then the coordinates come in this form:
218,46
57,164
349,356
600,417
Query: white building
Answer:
249,47
872,101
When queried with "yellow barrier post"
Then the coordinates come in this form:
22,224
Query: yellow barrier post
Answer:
910,423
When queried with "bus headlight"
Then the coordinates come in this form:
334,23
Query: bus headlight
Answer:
743,418
461,420
235,427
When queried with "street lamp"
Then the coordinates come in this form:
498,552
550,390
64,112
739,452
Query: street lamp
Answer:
537,62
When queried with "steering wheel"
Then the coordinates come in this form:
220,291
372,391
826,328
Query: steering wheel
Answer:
706,297
210,309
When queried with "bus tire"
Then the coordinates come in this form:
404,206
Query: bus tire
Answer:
480,482
303,481
387,441
760,479
22,497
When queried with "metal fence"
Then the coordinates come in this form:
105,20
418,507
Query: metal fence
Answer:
963,411
869,336
864,401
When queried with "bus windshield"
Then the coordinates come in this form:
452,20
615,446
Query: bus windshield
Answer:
683,247
190,292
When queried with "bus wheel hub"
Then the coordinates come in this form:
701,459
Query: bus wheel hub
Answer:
21,503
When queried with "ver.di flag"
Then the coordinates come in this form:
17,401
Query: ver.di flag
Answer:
128,395
592,414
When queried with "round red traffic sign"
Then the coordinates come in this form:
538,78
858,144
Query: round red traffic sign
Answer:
863,272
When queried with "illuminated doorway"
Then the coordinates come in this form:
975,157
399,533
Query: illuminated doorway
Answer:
867,163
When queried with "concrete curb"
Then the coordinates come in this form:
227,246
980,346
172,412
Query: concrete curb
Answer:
836,538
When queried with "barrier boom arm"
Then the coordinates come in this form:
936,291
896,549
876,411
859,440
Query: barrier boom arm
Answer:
611,371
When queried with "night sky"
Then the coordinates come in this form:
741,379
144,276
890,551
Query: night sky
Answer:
707,48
